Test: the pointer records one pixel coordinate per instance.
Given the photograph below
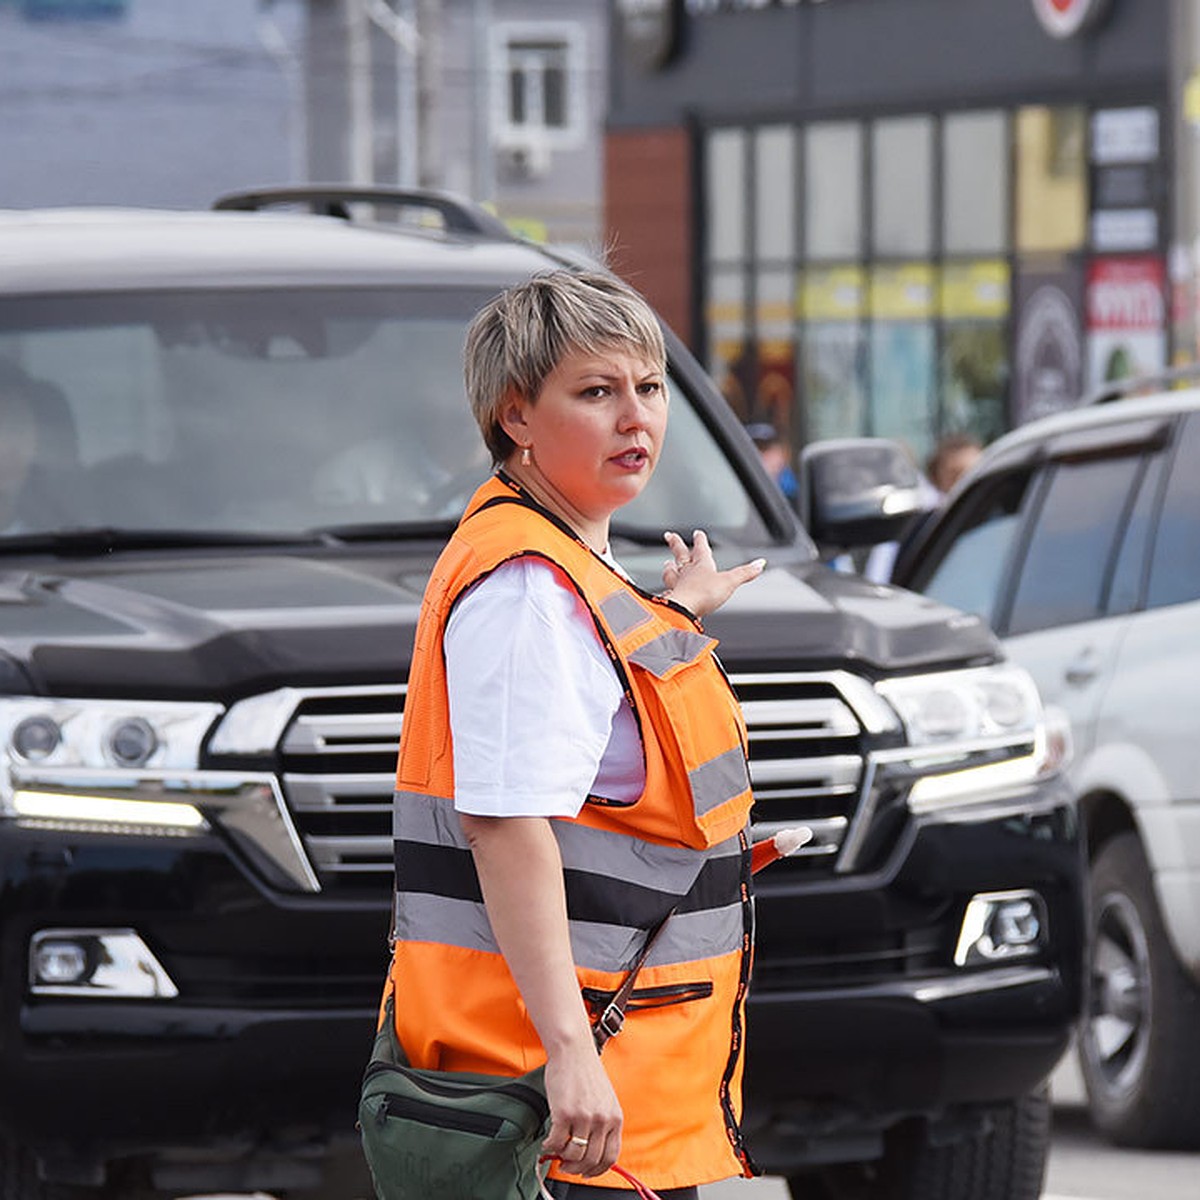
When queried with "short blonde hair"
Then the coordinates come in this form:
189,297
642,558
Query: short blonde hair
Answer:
517,339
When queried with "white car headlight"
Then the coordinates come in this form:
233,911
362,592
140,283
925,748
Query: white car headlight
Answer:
971,734
48,746
965,706
37,731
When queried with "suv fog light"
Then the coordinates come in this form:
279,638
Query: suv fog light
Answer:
1001,925
112,963
59,962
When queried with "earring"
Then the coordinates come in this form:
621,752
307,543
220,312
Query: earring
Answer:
526,456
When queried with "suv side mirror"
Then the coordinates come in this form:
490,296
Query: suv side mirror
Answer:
857,491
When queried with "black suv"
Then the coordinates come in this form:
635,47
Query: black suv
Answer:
246,443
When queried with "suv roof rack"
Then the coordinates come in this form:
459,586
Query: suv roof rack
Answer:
334,199
1157,381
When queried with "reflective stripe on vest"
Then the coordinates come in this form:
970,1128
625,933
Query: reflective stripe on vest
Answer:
438,897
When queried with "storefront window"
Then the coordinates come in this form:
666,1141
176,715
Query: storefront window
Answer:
1052,190
833,304
726,190
902,187
775,382
901,371
974,304
833,190
774,193
728,361
975,174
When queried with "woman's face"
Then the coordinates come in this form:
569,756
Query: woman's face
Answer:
594,432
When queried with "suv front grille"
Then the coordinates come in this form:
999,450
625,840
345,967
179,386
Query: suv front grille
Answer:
339,756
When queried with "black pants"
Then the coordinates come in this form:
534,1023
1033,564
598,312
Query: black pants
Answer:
580,1191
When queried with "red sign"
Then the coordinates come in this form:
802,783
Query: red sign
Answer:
1126,293
1066,18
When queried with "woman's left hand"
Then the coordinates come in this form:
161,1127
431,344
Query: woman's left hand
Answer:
692,579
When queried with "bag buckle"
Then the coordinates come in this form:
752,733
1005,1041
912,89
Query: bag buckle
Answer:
611,1020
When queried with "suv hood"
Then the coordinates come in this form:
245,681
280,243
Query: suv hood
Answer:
230,624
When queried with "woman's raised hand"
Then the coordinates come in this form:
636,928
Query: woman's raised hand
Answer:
692,579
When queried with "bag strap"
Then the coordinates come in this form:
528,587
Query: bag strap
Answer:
608,1023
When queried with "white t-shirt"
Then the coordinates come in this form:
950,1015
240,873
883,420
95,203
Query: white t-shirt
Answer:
537,714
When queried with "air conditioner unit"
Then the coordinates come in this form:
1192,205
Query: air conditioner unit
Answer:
524,156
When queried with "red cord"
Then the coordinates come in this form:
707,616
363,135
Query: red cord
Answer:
640,1189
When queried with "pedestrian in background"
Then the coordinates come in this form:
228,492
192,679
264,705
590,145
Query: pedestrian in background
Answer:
572,769
953,456
775,456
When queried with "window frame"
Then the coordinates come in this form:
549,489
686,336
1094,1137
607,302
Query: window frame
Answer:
572,36
947,530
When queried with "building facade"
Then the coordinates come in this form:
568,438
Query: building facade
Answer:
908,217
137,102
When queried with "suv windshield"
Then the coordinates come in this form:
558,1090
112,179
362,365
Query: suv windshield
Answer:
278,412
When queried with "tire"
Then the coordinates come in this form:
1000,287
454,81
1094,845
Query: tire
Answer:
1004,1161
1139,1037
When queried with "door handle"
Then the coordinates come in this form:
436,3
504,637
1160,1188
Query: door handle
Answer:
1083,669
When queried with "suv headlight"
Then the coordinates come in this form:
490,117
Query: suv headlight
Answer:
970,733
77,761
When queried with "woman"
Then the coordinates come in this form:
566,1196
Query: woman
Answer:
572,767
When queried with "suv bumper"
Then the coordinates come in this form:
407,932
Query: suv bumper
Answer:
242,1081
832,1063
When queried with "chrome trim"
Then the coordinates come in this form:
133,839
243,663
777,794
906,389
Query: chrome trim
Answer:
825,716
248,806
864,814
981,907
326,733
956,756
874,713
925,991
124,966
256,724
838,773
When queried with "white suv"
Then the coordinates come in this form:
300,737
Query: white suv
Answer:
1078,538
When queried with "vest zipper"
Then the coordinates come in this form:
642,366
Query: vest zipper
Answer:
407,1108
651,997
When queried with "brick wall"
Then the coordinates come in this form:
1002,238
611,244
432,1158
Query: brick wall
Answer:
648,218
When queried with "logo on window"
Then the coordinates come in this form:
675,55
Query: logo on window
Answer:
1066,18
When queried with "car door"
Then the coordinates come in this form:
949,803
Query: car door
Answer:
1052,555
1064,616
1153,712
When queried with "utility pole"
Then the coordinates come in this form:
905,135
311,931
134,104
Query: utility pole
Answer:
338,68
484,172
429,92
358,71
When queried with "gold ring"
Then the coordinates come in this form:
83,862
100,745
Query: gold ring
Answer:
579,1141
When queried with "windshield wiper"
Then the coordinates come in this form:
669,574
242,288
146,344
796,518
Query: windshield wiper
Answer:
639,535
102,539
644,535
386,531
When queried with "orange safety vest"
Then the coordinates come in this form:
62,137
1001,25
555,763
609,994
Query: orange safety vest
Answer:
677,1063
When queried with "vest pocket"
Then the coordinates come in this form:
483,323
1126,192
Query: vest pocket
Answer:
406,1108
662,996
